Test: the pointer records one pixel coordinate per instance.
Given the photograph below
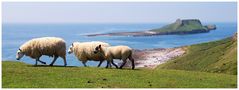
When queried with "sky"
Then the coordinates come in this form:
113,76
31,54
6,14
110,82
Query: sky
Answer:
117,12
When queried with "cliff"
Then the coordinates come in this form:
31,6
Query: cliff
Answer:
186,26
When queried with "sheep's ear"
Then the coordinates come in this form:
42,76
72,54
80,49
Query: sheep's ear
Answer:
20,50
72,44
99,46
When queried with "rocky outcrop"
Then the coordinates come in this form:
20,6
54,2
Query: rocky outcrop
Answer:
179,27
210,27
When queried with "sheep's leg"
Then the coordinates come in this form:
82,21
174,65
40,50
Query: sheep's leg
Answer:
38,59
124,62
100,63
107,65
110,64
132,61
110,61
41,61
114,64
55,57
36,62
84,63
64,58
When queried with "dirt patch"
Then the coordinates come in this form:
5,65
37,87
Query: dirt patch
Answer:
151,58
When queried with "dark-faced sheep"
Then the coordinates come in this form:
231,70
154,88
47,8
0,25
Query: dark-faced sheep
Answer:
50,46
115,52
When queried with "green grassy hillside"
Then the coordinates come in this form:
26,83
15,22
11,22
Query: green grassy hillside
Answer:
218,56
183,26
20,75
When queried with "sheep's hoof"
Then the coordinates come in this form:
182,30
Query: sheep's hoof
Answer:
44,62
51,64
65,65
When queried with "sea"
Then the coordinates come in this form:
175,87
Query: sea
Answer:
14,35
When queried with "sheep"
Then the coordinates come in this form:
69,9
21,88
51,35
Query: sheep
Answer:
84,51
115,52
50,46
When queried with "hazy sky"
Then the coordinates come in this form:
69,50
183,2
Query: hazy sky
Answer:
81,12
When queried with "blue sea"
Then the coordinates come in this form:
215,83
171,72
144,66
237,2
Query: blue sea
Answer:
14,35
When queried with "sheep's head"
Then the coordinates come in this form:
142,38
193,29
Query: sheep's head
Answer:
97,49
70,50
19,54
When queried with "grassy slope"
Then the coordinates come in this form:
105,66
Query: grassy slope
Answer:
16,74
176,27
219,56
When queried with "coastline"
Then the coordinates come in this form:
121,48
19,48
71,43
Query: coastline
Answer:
151,58
148,33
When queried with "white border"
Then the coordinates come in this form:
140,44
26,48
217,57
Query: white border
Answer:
1,45
113,1
119,0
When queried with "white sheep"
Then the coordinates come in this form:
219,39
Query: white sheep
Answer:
115,52
84,51
50,46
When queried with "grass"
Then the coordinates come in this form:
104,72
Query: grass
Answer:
206,65
218,56
20,75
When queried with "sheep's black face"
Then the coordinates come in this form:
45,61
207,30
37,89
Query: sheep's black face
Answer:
97,49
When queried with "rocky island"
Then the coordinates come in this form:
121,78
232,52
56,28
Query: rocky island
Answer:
179,27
